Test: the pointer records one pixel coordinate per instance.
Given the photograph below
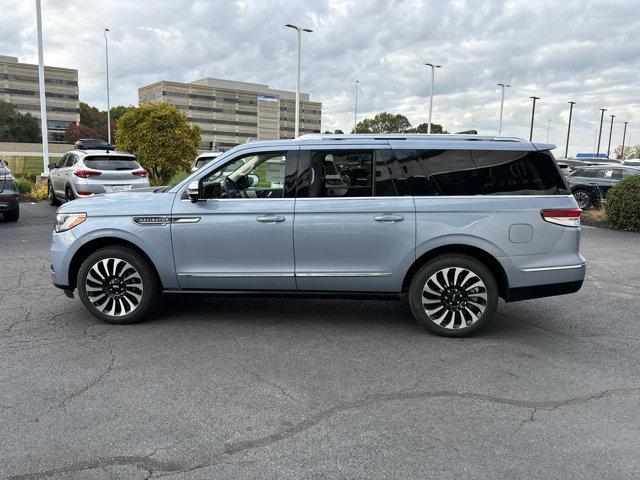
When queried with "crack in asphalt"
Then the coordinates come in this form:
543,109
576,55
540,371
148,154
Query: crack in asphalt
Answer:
169,468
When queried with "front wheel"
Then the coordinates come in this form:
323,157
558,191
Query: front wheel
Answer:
118,285
453,295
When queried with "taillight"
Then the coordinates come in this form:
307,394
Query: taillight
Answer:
567,217
141,172
86,173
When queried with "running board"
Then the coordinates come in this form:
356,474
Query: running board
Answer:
293,294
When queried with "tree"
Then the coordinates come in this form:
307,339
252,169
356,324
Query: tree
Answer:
97,119
75,132
161,139
629,151
383,123
16,127
424,128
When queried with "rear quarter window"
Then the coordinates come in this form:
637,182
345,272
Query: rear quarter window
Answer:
111,162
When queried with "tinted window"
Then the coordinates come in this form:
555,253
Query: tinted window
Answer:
591,173
627,172
111,162
201,162
439,172
503,172
387,175
341,173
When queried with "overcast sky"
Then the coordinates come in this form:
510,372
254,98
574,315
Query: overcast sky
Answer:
586,51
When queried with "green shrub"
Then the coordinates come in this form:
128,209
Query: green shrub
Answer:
623,204
39,191
24,185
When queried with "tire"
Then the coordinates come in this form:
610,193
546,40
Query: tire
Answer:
453,295
51,196
68,193
118,285
12,215
584,198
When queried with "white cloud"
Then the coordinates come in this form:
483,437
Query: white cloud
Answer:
578,50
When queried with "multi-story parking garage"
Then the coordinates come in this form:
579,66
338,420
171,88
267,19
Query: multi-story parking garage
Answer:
19,86
229,112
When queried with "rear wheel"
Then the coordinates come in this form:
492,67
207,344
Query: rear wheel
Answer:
453,295
118,285
583,198
68,193
51,196
12,215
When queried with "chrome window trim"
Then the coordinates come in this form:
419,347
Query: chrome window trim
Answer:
548,269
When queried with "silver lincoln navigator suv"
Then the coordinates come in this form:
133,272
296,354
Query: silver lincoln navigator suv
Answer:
450,222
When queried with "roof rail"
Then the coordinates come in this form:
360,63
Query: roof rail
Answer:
410,136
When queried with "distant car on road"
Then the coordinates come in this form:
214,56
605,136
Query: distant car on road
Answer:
633,162
590,183
9,206
203,159
82,173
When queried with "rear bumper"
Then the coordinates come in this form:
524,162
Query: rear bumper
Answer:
538,291
8,202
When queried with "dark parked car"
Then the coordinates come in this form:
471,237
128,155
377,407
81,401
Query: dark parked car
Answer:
9,206
589,184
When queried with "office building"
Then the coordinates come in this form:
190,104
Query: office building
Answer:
19,86
229,112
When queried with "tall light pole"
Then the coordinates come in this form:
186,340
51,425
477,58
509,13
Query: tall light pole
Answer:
106,57
433,70
610,132
548,129
533,114
43,102
299,30
624,137
602,110
355,112
566,148
502,87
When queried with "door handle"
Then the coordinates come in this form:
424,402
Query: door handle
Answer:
270,218
388,218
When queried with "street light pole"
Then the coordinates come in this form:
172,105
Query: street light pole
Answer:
43,102
502,87
355,112
548,129
610,132
624,137
106,56
602,110
533,114
566,149
299,31
433,70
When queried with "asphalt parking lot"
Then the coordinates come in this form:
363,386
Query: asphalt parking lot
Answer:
260,388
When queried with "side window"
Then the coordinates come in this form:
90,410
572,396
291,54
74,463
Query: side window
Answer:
627,172
389,181
71,160
258,175
439,172
591,173
508,172
341,173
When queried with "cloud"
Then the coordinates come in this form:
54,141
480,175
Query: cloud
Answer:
578,50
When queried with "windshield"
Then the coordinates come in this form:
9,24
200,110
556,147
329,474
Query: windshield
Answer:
201,162
111,162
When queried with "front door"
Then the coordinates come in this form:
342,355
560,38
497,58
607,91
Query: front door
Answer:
239,236
354,228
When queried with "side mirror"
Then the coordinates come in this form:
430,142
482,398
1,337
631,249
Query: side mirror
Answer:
193,191
52,166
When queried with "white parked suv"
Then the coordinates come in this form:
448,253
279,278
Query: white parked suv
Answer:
82,173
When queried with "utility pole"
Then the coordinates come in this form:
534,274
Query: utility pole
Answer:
624,137
433,70
533,114
566,148
43,101
106,56
299,30
502,87
602,110
610,132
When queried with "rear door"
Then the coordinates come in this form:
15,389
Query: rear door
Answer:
354,230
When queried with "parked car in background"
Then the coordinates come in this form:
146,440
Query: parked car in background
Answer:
9,206
632,162
590,184
203,159
82,173
450,223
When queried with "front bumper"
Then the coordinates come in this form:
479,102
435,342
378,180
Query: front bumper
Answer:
60,248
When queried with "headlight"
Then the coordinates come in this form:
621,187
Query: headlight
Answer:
66,221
